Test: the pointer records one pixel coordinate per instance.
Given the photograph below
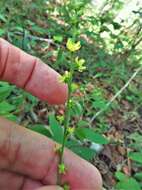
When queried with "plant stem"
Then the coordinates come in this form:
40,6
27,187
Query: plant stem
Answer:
66,118
66,123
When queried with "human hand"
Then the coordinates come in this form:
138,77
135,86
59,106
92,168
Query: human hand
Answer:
28,160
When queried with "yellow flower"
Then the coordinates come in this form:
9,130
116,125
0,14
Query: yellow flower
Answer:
71,130
65,77
80,64
60,118
72,46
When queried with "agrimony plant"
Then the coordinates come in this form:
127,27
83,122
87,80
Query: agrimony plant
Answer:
75,64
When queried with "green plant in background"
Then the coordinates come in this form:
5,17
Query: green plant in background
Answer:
6,107
134,181
127,182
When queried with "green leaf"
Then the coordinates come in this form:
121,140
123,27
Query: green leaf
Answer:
2,18
91,135
5,91
72,143
84,152
121,176
136,137
58,38
11,117
82,123
136,156
80,134
76,109
138,176
99,103
5,107
39,29
60,57
39,128
95,137
2,32
128,184
56,129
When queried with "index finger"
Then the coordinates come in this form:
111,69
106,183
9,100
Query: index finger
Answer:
31,74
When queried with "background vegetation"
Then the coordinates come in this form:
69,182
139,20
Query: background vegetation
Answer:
107,100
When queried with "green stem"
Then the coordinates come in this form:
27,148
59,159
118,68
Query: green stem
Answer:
66,118
66,124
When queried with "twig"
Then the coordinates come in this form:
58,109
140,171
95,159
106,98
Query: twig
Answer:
49,41
116,95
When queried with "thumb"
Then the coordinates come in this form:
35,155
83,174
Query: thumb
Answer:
54,187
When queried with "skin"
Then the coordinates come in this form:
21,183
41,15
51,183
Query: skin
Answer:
51,188
28,160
